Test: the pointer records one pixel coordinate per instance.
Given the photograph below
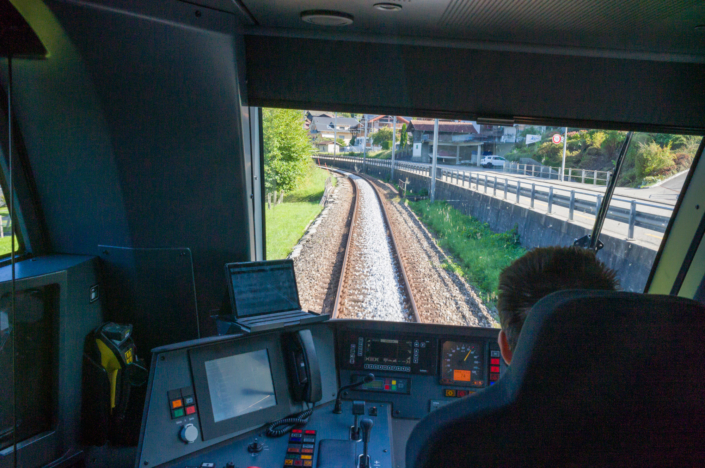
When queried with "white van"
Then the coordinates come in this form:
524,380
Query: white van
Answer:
492,161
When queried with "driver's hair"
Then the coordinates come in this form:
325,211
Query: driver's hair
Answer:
543,271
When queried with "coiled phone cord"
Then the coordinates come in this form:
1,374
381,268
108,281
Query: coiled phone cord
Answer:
283,426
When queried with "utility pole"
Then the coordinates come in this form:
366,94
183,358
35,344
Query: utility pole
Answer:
364,147
335,135
565,143
394,136
433,161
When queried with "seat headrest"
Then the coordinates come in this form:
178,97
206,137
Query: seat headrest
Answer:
597,378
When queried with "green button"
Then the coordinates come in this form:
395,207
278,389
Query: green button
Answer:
178,413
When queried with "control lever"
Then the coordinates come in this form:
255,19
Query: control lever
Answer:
358,409
366,427
338,401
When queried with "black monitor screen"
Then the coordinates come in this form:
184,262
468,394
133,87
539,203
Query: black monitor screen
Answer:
262,288
240,384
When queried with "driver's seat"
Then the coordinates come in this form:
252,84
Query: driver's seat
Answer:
598,379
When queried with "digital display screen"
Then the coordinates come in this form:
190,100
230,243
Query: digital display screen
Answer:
263,289
240,384
388,351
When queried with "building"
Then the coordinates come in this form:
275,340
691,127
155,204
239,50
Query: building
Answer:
459,142
311,114
326,146
327,128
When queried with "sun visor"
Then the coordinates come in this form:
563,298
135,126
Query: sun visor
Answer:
588,91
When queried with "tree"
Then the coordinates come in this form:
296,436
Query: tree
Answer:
383,134
404,137
287,149
352,141
341,142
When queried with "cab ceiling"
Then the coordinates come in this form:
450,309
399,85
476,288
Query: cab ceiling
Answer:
654,26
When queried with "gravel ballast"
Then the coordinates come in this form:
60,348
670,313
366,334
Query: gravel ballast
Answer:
373,283
318,257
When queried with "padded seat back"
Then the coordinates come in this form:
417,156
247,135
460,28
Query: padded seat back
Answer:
598,379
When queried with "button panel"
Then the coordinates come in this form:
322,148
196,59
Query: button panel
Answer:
181,402
454,393
302,444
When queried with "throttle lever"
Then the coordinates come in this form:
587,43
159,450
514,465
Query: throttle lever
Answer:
366,427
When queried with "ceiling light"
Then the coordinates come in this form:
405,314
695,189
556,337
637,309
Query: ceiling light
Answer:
700,28
327,18
387,6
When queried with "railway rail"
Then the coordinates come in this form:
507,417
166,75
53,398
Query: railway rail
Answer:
346,281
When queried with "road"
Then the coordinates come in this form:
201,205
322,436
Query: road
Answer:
665,194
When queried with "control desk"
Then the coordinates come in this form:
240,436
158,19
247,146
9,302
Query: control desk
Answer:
211,402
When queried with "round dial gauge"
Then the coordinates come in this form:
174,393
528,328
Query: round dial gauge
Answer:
463,364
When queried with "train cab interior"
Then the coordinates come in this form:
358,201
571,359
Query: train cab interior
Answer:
133,181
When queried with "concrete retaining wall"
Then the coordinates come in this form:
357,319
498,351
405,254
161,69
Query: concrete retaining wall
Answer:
632,261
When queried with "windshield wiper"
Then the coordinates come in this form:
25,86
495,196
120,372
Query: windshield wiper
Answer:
592,241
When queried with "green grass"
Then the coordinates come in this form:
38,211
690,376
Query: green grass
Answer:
286,222
5,246
480,255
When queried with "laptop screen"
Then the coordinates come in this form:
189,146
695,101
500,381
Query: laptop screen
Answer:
263,288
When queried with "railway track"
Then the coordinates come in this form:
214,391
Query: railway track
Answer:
373,281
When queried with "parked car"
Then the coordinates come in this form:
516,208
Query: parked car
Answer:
492,161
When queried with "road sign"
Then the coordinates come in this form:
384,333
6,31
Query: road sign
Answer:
557,138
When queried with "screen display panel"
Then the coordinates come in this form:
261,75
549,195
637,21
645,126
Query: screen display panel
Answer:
388,351
263,288
240,384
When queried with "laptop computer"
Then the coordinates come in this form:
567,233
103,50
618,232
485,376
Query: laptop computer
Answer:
264,295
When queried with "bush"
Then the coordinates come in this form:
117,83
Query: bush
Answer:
653,160
386,145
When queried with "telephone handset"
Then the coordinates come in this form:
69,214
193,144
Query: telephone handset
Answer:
302,364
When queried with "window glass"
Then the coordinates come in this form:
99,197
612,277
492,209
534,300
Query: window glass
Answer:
6,229
499,192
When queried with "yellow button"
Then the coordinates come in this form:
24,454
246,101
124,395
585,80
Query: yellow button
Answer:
394,382
306,457
308,463
450,393
288,462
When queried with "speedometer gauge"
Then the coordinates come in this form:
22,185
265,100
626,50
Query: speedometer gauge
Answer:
463,364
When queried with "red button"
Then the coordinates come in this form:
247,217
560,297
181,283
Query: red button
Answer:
306,450
293,450
386,387
494,369
190,409
297,431
298,463
494,361
494,377
461,393
311,432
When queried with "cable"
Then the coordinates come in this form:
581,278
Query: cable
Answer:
283,426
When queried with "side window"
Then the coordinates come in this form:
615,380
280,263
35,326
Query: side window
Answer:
6,228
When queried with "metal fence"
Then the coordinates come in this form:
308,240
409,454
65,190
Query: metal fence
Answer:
515,191
570,175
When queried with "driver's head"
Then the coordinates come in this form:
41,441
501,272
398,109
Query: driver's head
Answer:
537,274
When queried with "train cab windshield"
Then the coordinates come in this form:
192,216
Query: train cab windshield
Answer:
351,235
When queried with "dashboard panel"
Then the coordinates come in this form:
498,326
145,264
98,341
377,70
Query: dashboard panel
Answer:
417,367
210,400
